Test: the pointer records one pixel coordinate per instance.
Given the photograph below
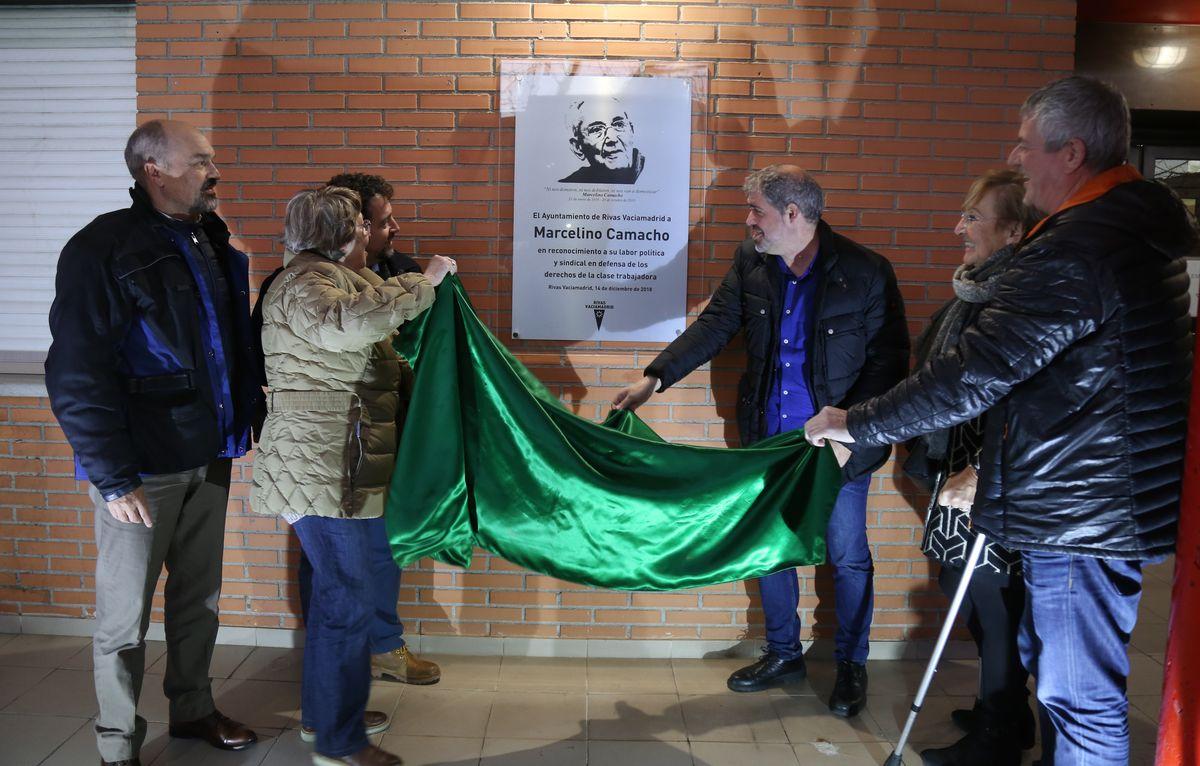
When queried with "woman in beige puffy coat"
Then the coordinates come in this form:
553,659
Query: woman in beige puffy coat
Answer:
325,458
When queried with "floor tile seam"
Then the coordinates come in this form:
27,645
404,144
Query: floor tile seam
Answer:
634,690
391,714
488,721
41,678
27,665
233,671
784,741
587,721
15,714
590,742
66,739
630,693
36,714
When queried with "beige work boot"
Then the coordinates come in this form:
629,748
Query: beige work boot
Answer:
404,666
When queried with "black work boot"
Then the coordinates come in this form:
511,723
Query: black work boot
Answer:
989,743
850,690
964,718
771,670
1024,723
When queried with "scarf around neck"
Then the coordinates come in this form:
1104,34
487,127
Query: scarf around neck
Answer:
972,286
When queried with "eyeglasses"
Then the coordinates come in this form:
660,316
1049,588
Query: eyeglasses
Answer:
364,227
598,128
970,218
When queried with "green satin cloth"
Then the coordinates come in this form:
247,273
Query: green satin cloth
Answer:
490,458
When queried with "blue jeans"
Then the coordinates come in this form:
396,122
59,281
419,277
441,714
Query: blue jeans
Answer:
1079,613
337,658
853,583
386,632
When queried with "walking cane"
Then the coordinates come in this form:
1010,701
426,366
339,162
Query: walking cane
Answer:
895,759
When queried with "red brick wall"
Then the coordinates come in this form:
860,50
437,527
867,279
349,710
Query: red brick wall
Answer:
894,105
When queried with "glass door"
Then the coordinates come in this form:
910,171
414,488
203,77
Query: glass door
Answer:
1179,168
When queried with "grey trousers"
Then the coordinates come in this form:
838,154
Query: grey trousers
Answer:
188,511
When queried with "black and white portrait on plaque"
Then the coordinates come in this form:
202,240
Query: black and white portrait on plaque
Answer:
603,135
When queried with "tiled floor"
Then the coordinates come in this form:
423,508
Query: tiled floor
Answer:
514,711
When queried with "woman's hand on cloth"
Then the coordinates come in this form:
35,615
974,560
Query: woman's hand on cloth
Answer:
959,489
438,267
828,424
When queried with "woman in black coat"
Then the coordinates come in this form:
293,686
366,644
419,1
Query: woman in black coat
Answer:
993,221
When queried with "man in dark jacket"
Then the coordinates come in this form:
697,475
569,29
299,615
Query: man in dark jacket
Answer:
1082,363
149,375
824,324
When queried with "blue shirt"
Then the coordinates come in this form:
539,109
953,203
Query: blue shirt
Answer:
789,403
216,339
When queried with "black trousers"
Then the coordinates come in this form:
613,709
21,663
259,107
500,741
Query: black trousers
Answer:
992,609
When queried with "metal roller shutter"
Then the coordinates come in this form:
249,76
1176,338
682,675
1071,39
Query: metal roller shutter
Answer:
68,102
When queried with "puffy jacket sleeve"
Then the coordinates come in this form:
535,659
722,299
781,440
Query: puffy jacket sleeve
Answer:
88,321
330,317
1047,301
717,324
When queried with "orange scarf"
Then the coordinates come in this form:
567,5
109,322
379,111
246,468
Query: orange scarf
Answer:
1095,187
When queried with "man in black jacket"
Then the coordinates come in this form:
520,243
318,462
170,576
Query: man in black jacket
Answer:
1082,364
824,324
150,376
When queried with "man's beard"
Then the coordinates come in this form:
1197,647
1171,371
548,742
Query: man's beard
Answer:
203,202
384,254
760,244
204,205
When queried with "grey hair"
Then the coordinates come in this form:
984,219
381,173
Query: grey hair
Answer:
784,187
574,117
1085,108
322,220
149,143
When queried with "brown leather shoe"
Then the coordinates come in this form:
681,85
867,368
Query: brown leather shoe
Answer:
368,756
217,730
376,721
404,666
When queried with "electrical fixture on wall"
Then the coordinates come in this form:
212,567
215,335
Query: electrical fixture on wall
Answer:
1160,56
1156,66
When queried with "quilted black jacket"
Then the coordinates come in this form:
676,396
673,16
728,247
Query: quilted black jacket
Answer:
1082,361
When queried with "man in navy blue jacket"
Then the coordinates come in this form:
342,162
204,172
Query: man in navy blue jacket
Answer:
823,322
150,376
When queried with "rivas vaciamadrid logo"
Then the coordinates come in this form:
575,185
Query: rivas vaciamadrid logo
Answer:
598,308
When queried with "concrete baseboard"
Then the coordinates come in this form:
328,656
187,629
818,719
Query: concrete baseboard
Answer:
512,647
